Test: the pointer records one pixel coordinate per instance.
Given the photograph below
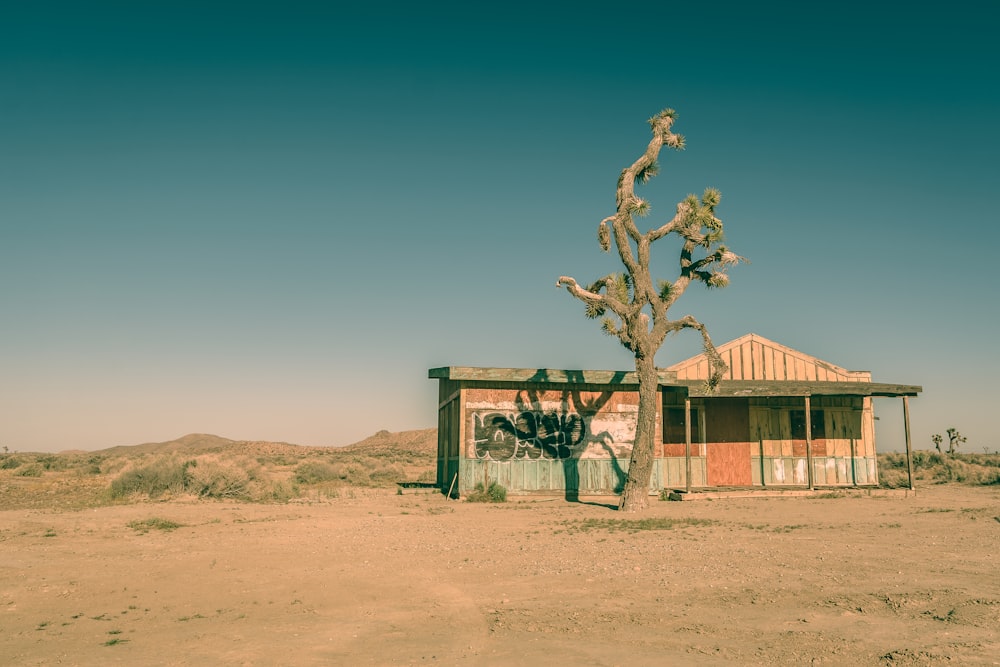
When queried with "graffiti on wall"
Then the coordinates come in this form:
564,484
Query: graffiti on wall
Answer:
533,424
528,434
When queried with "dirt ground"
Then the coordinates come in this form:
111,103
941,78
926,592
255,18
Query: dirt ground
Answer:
415,579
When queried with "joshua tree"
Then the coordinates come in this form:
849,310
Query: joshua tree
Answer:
954,439
638,308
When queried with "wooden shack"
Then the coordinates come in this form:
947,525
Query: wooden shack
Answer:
779,419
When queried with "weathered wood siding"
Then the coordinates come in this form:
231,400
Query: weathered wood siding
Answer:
548,437
843,456
449,432
753,357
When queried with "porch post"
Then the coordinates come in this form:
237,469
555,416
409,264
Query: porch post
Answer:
909,453
687,442
809,447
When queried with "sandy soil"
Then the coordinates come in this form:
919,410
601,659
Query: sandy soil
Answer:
383,579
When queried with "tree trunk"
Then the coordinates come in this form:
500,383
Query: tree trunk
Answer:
635,495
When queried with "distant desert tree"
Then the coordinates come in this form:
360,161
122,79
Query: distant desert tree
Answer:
634,309
954,439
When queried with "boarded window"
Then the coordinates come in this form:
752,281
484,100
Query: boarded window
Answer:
674,428
798,423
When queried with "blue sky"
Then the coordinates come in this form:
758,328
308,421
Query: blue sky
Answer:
267,222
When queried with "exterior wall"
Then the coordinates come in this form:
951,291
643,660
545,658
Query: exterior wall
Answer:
449,427
549,438
843,452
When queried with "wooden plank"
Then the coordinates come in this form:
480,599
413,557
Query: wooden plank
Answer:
729,464
736,364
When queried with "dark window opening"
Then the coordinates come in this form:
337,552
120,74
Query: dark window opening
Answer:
798,421
674,428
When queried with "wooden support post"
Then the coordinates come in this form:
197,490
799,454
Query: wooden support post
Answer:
854,470
763,480
809,442
687,443
909,452
452,487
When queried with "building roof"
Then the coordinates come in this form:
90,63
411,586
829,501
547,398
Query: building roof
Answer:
753,357
757,367
540,375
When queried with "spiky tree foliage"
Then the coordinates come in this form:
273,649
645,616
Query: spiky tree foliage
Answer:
634,309
954,439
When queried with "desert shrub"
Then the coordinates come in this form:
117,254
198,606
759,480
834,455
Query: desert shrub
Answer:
214,477
90,469
386,475
53,462
496,493
892,460
9,462
939,468
950,471
29,470
314,472
161,476
356,474
923,460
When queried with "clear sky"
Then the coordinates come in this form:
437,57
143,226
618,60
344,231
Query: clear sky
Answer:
267,220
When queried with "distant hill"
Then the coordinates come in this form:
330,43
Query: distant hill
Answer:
197,443
422,441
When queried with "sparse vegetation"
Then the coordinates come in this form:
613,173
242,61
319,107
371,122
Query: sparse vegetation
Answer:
9,462
29,470
939,468
495,493
154,523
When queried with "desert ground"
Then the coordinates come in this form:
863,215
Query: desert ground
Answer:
371,577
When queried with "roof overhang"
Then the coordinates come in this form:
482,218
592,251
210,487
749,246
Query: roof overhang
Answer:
542,375
694,388
749,388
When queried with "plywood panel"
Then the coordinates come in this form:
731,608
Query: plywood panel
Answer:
729,464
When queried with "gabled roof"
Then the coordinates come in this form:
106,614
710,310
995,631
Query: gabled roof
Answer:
757,367
753,357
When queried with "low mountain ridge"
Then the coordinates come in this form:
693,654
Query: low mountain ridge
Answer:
421,441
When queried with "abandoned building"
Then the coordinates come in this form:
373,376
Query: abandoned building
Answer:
778,419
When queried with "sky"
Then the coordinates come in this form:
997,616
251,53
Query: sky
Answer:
268,220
